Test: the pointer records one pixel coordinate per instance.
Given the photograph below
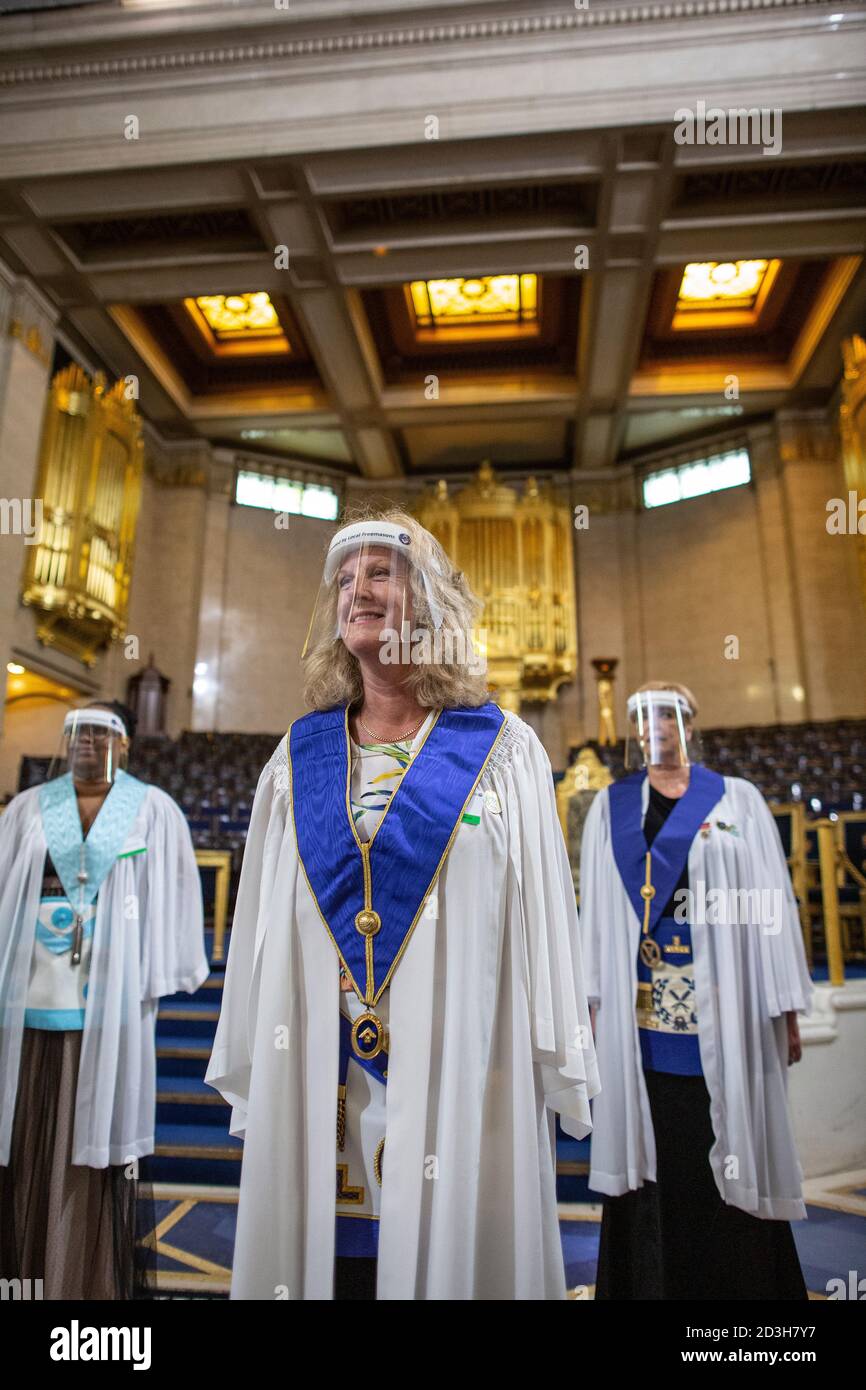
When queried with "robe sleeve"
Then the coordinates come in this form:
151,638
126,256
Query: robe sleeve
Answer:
230,1065
594,888
20,877
11,821
173,958
562,1045
787,985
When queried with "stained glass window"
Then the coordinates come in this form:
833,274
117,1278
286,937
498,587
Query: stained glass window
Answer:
696,478
474,301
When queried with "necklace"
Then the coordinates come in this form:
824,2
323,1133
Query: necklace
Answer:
650,952
377,738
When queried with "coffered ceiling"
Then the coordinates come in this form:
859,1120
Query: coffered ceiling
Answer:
300,303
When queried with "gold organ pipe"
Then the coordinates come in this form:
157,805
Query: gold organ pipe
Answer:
89,480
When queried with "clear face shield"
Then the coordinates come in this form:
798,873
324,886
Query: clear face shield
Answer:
94,745
661,731
372,594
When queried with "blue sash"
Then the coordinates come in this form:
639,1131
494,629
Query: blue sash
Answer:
371,894
105,838
670,848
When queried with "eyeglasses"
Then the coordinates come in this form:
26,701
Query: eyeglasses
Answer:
100,738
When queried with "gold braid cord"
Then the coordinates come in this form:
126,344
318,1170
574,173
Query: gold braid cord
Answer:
341,1118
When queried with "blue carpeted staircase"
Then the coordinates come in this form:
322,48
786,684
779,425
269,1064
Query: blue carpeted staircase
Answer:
193,1144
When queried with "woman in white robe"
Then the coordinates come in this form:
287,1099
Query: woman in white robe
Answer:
487,1025
749,979
78,1015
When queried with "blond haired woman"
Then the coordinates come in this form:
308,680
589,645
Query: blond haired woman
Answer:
404,1006
696,970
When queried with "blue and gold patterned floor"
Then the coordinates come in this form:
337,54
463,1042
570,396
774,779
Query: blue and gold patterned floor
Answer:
196,1225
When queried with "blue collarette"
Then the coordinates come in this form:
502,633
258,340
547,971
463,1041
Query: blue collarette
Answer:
398,866
61,823
670,848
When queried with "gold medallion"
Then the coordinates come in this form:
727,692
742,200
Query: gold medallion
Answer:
369,1036
650,953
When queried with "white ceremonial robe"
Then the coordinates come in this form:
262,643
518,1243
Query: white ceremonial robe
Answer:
488,1032
148,941
745,980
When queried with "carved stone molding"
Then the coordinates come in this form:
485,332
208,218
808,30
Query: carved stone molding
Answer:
805,435
387,39
185,464
603,496
32,340
214,91
25,314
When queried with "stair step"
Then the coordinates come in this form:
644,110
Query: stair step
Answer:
197,1141
181,1055
193,1090
213,1172
572,1182
188,1100
209,993
191,1007
179,1045
212,1152
194,1017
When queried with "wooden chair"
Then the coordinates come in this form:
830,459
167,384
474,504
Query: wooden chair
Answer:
851,840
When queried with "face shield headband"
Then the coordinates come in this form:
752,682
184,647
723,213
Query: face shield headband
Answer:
661,732
381,555
91,741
